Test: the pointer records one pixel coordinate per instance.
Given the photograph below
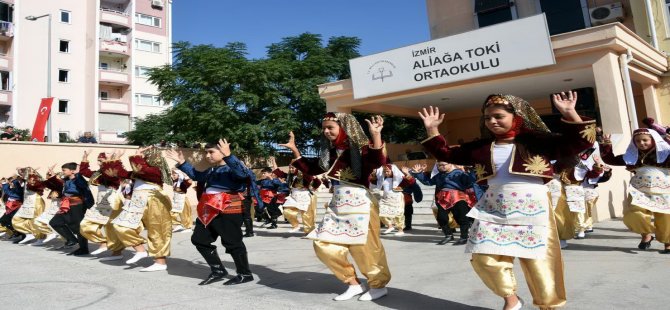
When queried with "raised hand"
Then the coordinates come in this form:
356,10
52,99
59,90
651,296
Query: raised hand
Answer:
607,138
86,153
565,103
291,145
176,155
141,150
417,168
375,125
431,120
224,147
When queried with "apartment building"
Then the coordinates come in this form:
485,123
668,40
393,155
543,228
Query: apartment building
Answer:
100,53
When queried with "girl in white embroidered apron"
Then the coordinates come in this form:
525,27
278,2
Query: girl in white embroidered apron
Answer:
182,218
391,198
350,225
649,191
33,205
514,218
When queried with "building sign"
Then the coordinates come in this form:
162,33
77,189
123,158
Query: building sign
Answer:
507,47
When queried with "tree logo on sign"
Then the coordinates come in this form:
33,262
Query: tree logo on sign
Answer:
381,69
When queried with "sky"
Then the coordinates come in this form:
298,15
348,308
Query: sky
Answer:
381,24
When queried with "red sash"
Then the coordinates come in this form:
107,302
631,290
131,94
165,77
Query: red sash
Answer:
67,202
12,205
267,195
447,199
210,205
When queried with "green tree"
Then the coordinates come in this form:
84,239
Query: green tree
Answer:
218,92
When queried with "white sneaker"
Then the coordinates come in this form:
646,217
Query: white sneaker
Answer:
154,267
186,230
564,244
136,258
39,242
399,234
294,230
350,293
373,293
388,231
51,237
100,250
28,238
2,234
581,235
178,228
518,305
111,258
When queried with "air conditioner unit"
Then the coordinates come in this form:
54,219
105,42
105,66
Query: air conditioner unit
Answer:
157,3
605,14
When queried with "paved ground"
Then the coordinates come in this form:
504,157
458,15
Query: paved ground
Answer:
605,271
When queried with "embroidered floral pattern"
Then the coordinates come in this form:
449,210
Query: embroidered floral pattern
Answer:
536,165
49,213
346,174
526,236
506,204
589,133
347,218
480,171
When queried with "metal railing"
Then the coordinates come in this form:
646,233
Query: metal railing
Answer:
114,11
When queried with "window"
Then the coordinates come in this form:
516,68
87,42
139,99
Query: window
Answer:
142,71
491,12
104,95
64,136
6,12
104,66
114,122
65,16
565,16
63,105
4,79
147,46
150,100
148,20
64,46
63,75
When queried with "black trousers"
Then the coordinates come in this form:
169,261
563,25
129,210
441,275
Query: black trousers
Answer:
226,226
247,204
409,210
67,225
6,220
459,211
273,209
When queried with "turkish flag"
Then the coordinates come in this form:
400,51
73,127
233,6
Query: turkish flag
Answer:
41,119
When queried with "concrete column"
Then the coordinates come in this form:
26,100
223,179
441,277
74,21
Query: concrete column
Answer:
651,104
614,116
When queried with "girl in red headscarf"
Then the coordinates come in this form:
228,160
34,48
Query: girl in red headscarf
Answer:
514,217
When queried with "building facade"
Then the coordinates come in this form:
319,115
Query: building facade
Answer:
614,53
100,53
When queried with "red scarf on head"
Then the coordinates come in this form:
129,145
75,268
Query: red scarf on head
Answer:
517,127
342,140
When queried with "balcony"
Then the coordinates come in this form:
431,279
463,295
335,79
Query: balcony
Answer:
114,105
114,77
5,98
6,30
5,62
116,46
115,17
110,137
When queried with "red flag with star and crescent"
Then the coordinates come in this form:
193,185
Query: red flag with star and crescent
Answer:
41,119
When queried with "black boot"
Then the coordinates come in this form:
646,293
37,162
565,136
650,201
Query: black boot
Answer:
249,228
448,235
243,272
212,258
273,224
66,233
408,221
218,273
79,252
464,235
